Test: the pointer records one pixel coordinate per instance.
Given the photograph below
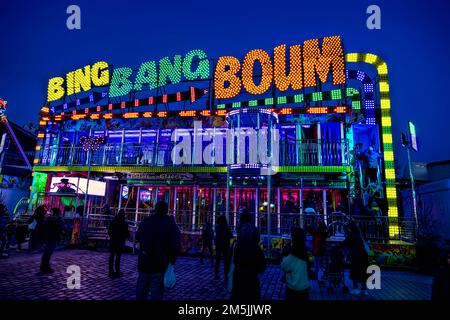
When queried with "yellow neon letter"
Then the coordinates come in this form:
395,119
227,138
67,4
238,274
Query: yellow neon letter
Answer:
55,89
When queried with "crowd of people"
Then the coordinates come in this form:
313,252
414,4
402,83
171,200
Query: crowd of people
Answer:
243,259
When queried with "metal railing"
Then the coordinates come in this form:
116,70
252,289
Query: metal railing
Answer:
374,229
292,153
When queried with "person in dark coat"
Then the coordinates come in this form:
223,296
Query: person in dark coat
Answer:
36,235
118,234
319,240
296,267
222,243
441,281
159,239
52,229
207,242
3,237
359,258
249,261
246,220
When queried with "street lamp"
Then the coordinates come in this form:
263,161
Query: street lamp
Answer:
90,144
411,144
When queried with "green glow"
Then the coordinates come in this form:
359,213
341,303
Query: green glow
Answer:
298,98
146,75
236,105
268,101
120,84
220,169
112,169
314,169
317,96
282,100
356,105
351,92
169,70
202,71
336,94
37,187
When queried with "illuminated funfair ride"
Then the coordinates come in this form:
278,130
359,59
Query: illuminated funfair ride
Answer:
320,102
10,131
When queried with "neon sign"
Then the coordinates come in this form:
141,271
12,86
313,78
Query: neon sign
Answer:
308,64
413,136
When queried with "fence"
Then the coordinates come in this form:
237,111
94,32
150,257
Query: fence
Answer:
374,229
292,153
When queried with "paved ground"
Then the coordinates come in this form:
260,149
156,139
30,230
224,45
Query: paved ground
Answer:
20,280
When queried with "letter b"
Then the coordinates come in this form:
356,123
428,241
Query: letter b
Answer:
55,90
225,73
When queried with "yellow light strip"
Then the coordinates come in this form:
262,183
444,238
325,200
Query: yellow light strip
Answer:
386,123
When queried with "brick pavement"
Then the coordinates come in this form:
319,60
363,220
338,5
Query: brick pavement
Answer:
20,280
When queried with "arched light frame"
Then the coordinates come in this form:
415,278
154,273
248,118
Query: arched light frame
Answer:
386,125
368,87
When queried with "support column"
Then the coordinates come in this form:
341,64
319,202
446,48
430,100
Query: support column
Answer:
278,210
301,202
194,208
140,149
235,208
120,196
324,196
269,216
156,194
257,206
343,144
105,150
227,198
319,146
175,195
137,206
298,145
214,206
121,146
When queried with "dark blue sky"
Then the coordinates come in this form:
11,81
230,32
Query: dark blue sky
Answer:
414,41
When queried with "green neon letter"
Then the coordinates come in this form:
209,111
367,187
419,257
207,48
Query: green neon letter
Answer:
146,75
169,70
202,71
120,84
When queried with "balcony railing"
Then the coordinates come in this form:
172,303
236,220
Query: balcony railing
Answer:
291,153
372,229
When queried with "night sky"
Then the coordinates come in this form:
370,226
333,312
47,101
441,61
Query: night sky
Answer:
414,41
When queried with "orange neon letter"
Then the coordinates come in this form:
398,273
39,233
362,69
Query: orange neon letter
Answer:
317,62
282,79
266,71
225,72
